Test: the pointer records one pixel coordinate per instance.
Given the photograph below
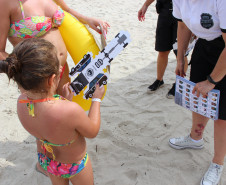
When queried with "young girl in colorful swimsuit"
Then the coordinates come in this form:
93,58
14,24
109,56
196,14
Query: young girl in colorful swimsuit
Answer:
21,19
59,125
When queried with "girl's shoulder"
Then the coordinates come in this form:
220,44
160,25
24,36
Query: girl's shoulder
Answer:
67,112
68,107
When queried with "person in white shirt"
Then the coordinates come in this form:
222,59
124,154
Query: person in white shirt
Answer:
206,19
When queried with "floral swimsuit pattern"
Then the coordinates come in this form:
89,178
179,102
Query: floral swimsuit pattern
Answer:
35,26
61,169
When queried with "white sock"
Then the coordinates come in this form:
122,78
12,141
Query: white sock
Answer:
196,141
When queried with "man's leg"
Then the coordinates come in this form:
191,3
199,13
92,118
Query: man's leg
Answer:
162,62
163,45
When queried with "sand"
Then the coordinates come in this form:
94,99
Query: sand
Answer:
132,145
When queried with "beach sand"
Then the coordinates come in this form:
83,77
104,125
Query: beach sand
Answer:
132,145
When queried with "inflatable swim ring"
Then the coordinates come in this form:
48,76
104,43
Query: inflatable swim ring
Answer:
79,41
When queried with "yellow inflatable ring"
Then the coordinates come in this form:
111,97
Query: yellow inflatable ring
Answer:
78,41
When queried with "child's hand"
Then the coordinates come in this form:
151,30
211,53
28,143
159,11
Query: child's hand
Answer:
99,92
66,92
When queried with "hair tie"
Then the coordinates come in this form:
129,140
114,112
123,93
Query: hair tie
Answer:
13,65
11,59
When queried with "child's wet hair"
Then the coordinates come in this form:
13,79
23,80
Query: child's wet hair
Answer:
31,63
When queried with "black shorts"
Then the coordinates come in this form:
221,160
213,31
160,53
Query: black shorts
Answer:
204,58
166,31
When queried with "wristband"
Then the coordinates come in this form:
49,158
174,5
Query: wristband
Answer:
211,80
96,99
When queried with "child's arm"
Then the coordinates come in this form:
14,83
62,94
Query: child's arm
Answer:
92,22
87,126
66,92
142,11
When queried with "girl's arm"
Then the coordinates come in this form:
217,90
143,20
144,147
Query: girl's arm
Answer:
87,126
217,74
4,27
92,22
183,37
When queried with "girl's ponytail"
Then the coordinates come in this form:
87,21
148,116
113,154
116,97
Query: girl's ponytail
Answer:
11,66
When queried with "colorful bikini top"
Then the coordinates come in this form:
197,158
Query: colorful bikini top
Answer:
46,146
30,103
35,26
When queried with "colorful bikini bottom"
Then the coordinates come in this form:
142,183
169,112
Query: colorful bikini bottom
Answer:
61,169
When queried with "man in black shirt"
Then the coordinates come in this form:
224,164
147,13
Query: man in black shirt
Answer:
166,36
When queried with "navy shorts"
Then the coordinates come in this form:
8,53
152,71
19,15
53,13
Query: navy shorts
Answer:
203,60
166,31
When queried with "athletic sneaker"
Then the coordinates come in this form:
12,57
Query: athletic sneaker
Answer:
185,142
171,93
213,175
156,85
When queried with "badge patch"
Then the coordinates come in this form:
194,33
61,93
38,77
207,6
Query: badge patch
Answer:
206,20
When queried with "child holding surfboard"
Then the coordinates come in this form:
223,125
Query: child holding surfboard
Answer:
19,21
59,126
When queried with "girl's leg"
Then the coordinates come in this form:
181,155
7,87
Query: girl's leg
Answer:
65,78
58,180
219,141
85,177
198,125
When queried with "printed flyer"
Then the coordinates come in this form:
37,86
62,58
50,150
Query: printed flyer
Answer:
208,106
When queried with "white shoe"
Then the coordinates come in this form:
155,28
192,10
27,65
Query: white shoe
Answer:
213,175
185,142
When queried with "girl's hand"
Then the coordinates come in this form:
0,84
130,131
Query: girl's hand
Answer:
99,92
96,23
203,88
141,13
66,92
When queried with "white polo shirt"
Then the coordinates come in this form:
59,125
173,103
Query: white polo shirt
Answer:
205,18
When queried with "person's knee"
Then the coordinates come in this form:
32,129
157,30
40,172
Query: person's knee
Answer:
164,54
